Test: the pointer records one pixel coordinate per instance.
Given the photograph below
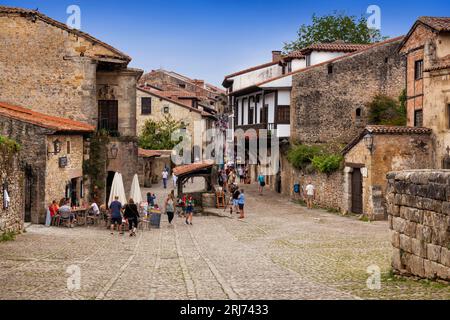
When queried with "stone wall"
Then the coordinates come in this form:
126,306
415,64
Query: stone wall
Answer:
418,205
324,106
34,154
56,177
178,112
11,174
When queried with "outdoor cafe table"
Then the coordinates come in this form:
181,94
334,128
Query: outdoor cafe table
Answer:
81,212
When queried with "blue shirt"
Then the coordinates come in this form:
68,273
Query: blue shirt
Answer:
261,178
241,199
115,207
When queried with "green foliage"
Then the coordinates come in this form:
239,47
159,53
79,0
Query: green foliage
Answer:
327,163
9,145
321,158
7,236
158,135
301,155
95,167
384,110
333,27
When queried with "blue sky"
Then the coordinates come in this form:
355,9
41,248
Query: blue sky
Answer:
207,39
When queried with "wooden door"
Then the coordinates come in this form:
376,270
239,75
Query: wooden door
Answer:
357,192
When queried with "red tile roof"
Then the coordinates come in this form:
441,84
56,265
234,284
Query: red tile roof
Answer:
149,153
379,129
437,23
397,129
163,95
42,120
193,167
335,46
44,18
374,45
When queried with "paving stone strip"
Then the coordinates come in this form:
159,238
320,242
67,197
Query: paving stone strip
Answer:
190,288
220,279
113,280
153,288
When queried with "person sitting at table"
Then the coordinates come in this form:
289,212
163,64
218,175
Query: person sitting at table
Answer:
53,209
115,209
94,210
132,215
66,213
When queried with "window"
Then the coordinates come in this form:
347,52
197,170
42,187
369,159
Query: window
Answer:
108,115
251,110
182,85
166,109
289,67
330,69
264,113
146,105
68,147
418,69
418,118
283,115
308,60
244,106
358,114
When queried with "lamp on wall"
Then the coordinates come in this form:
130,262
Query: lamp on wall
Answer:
56,147
368,141
113,151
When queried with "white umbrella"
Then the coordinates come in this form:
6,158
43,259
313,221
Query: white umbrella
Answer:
135,192
117,190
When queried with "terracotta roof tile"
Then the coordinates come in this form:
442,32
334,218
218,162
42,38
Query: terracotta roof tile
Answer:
397,129
379,129
149,153
50,122
437,23
335,46
190,168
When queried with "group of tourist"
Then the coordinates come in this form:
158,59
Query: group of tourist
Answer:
65,212
228,181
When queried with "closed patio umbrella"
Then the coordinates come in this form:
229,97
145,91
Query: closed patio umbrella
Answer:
135,192
117,190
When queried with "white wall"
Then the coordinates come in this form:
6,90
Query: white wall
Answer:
270,100
283,130
322,56
284,97
254,77
298,64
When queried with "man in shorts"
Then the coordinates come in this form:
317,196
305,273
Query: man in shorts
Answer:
310,191
115,209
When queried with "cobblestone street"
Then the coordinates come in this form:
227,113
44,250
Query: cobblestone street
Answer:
281,251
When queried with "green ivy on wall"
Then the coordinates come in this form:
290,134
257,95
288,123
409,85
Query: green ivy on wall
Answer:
95,167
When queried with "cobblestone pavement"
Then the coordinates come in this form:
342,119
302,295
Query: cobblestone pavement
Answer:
281,251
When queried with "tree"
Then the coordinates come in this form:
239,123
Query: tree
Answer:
157,135
333,27
384,110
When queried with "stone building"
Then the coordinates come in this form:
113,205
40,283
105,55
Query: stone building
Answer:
155,105
61,71
370,156
11,181
52,159
329,100
163,80
427,51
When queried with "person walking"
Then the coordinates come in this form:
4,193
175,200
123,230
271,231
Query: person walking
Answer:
225,180
189,210
235,205
115,209
174,180
170,206
310,191
165,176
241,174
261,183
131,213
241,203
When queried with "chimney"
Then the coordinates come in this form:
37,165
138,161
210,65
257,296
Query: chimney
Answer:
276,56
